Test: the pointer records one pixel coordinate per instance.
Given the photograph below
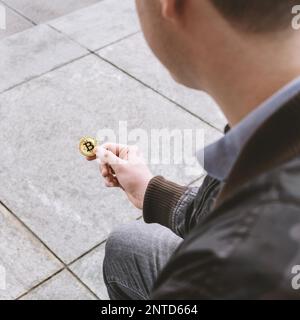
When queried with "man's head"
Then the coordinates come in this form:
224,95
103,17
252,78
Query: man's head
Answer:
224,47
180,32
258,16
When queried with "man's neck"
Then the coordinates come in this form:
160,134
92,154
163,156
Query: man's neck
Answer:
249,79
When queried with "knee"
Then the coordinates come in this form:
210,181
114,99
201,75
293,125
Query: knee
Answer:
120,238
119,263
121,243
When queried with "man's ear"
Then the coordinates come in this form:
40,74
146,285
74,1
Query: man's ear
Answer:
169,8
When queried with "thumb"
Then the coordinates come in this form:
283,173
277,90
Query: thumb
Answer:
109,158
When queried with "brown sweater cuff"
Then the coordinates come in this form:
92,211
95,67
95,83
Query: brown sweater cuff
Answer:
160,200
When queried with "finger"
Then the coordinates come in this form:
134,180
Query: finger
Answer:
115,148
91,158
108,184
111,182
111,171
109,158
104,170
113,178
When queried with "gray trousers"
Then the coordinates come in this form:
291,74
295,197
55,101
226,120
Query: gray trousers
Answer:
135,253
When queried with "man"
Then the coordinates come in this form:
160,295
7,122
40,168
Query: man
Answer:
238,235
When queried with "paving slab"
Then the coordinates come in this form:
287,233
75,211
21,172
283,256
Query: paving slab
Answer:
44,10
14,23
101,24
24,261
63,286
34,52
134,56
44,179
89,270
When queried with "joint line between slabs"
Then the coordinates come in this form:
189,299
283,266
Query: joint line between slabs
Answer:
19,13
44,73
47,247
89,52
40,283
157,92
87,252
98,55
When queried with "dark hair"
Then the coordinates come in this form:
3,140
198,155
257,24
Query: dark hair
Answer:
257,15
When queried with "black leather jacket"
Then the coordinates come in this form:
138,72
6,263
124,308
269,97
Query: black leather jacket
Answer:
242,238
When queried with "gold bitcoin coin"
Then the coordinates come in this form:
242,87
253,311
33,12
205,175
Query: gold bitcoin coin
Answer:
87,146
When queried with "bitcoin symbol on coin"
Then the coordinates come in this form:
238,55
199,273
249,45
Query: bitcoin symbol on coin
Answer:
87,146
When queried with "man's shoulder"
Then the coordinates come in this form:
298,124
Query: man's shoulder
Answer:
279,185
264,213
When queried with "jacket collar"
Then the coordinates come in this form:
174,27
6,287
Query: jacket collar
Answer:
220,157
275,141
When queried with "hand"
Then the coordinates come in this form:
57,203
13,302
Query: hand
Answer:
124,167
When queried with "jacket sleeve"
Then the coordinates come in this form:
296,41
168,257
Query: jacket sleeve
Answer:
168,204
